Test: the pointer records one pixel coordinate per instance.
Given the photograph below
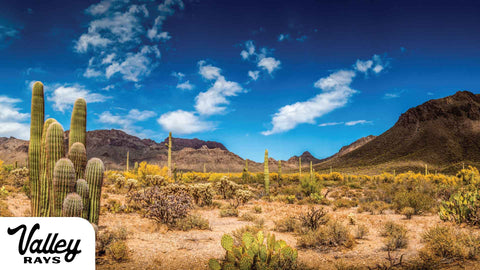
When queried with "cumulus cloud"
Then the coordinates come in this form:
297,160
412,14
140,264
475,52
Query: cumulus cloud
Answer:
185,85
375,65
336,93
184,122
211,101
253,74
261,58
12,121
65,95
122,37
127,122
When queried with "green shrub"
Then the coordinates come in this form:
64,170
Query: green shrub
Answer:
288,224
408,212
395,236
419,201
226,188
202,194
314,217
310,185
191,222
257,209
333,234
344,203
361,231
118,251
229,212
248,217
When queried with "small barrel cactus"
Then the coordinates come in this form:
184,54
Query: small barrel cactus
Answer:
72,206
63,184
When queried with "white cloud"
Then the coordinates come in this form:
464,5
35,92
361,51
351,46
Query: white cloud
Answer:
7,33
127,122
65,95
330,124
283,37
375,65
269,63
393,94
185,86
12,121
119,39
253,74
336,93
108,87
357,122
135,66
183,122
178,75
210,101
249,50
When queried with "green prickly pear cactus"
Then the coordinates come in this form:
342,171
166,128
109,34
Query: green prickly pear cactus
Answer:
256,253
462,207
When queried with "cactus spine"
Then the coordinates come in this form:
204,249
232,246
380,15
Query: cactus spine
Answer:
94,177
78,123
169,161
82,190
34,148
63,184
266,173
78,155
300,165
72,206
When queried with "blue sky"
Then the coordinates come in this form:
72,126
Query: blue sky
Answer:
289,76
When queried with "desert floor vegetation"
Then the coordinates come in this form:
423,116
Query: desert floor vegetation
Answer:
149,220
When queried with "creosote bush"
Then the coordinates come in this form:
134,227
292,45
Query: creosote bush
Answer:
192,222
333,234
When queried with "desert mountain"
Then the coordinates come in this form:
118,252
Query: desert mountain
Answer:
188,154
439,133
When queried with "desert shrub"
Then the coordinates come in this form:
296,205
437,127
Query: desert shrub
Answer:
419,201
395,236
105,238
291,199
256,253
375,207
191,222
241,197
202,194
287,224
115,206
229,212
352,220
333,234
344,203
118,251
18,177
361,231
314,218
226,188
238,233
310,185
4,211
408,212
163,206
463,207
257,209
444,244
3,192
317,198
248,217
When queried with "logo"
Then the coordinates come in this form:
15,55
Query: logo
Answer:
47,243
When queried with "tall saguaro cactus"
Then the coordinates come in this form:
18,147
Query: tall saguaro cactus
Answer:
128,160
169,160
54,150
300,166
78,123
34,148
311,171
266,173
63,184
94,176
246,164
78,155
279,172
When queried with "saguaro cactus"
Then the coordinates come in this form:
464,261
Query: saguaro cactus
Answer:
94,177
72,206
54,150
128,160
246,164
266,173
63,184
300,165
78,123
34,148
204,168
82,190
42,198
78,155
169,160
311,171
279,171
